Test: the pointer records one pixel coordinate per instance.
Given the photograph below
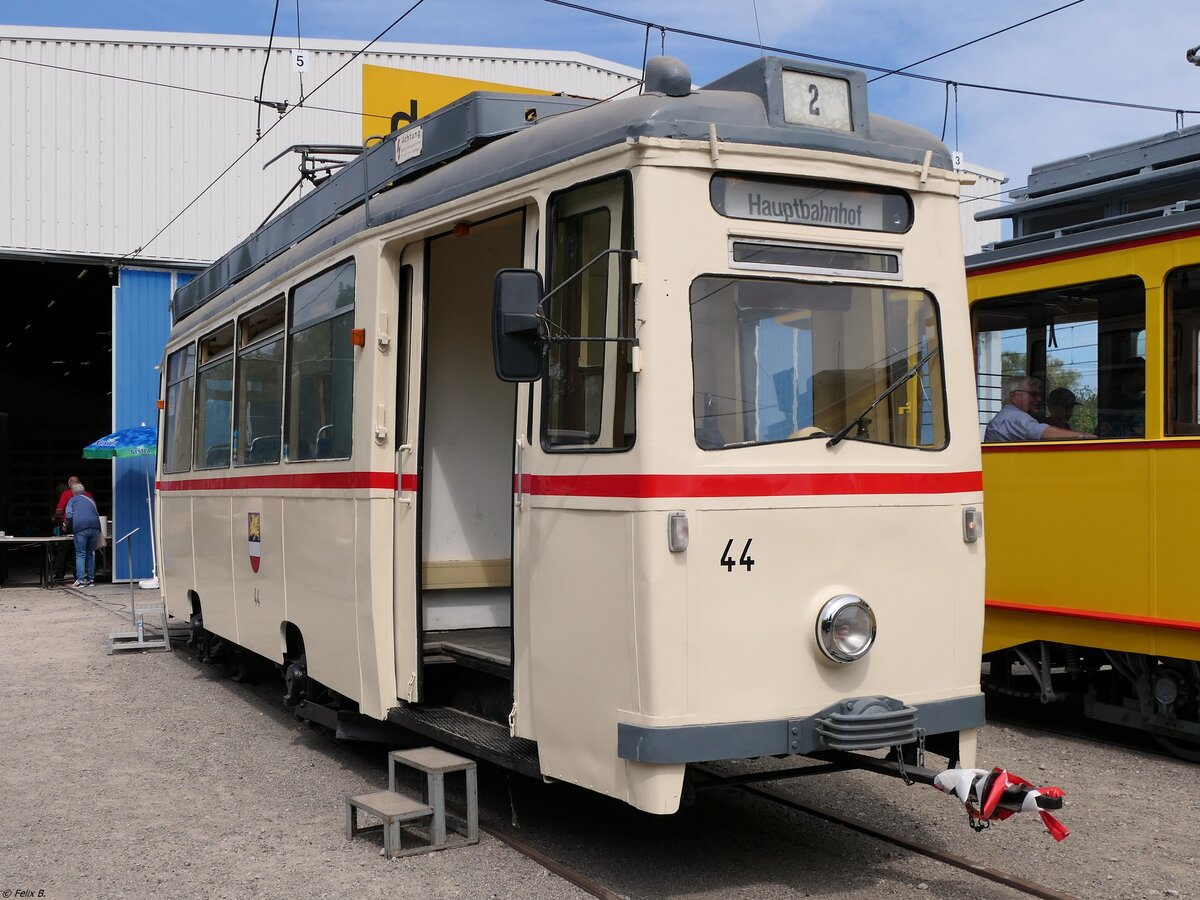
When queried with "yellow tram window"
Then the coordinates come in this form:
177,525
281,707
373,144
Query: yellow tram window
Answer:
1084,344
1183,351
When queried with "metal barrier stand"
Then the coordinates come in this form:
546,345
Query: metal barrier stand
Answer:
136,639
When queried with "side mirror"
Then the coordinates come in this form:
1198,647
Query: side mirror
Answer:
517,343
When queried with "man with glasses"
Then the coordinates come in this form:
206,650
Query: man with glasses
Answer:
1017,419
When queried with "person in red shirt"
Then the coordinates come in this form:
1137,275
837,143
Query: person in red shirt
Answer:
62,550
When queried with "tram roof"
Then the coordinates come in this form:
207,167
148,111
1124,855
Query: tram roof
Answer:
1165,166
1133,166
486,139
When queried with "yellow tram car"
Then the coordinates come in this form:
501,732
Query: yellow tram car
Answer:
1089,318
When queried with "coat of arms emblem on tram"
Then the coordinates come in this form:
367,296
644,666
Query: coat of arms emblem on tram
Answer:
254,538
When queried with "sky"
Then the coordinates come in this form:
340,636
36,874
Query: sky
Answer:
1119,50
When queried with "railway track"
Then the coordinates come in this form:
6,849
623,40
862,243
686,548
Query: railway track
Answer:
271,694
979,870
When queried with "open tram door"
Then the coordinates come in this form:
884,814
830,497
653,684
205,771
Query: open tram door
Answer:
454,547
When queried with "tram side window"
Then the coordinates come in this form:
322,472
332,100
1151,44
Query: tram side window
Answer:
181,383
782,360
214,399
1183,351
1084,344
588,393
321,366
258,423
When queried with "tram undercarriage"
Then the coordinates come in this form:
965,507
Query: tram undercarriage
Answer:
468,678
1157,695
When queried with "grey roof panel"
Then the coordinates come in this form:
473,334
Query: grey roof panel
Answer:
1101,190
740,116
1112,162
1135,227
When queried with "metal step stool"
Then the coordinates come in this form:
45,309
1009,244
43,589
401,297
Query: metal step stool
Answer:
436,764
393,808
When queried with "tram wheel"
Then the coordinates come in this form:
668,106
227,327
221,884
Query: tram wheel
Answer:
295,677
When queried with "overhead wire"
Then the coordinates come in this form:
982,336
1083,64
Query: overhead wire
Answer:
178,87
685,32
299,50
263,83
134,253
977,40
663,29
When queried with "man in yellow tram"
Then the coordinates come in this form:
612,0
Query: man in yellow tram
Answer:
1017,419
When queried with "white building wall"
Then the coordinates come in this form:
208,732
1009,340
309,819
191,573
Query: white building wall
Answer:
983,194
112,134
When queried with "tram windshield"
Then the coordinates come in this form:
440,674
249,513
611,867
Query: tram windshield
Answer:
782,360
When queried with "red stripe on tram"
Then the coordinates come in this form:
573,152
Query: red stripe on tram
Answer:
1095,615
769,485
626,486
308,481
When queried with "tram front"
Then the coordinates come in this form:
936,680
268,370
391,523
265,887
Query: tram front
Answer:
779,552
834,570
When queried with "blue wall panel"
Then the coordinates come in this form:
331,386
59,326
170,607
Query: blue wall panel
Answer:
141,322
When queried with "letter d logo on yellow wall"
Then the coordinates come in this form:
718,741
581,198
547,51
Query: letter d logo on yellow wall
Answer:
392,98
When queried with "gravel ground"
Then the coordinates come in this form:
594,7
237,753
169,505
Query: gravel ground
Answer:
149,775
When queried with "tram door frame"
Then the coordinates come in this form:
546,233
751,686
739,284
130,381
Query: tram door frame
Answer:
408,341
462,509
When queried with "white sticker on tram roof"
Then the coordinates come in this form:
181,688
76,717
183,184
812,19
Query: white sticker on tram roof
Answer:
812,206
408,143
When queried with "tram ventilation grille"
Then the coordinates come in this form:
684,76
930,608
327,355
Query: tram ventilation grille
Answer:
867,723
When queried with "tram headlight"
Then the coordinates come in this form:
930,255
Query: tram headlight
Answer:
845,628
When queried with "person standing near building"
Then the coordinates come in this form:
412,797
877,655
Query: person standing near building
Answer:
84,519
61,554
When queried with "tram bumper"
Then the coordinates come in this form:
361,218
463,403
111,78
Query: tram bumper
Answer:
859,723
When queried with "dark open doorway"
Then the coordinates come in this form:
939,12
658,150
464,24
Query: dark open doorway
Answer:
56,373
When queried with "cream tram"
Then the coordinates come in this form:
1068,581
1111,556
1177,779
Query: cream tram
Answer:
598,440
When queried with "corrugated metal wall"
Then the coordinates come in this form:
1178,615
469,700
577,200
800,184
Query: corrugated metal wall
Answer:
111,134
141,321
986,193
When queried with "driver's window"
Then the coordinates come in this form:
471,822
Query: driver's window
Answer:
588,393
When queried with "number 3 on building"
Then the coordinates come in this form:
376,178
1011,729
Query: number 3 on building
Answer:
746,560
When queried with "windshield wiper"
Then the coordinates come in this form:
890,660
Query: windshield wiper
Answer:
887,392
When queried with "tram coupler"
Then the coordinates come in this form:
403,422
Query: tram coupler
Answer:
894,765
994,796
988,796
